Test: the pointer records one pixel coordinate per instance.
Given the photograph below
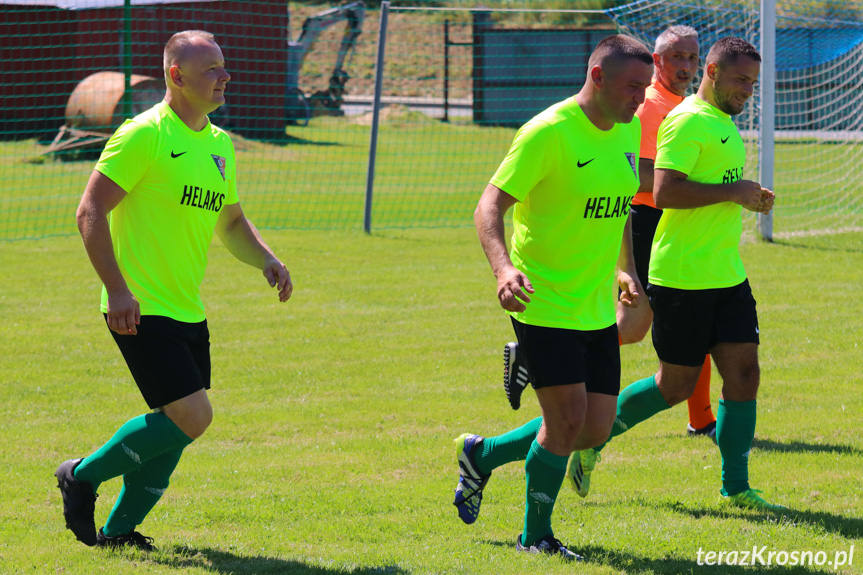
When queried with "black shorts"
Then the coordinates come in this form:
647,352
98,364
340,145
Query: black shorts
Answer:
688,323
169,359
557,356
644,222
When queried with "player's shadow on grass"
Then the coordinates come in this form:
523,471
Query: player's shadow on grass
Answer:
217,561
791,244
849,527
291,140
788,446
621,561
804,447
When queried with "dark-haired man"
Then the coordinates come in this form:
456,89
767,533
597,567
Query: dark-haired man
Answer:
168,180
701,299
571,173
675,58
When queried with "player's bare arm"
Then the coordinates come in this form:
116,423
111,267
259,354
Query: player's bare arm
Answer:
627,278
512,285
101,196
672,189
244,242
645,175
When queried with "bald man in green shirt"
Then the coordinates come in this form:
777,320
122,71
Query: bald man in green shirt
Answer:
164,184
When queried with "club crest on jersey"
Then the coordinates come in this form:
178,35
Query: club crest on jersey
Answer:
631,157
220,163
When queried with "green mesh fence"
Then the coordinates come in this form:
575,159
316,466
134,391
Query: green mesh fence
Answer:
456,84
64,68
300,162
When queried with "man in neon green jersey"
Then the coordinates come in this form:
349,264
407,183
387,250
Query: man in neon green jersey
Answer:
571,173
698,288
676,61
164,183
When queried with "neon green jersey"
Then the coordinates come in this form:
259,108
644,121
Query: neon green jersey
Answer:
699,248
574,183
177,182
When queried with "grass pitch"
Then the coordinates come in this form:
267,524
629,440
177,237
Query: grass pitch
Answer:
331,447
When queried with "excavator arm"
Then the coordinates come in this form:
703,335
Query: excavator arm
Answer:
298,107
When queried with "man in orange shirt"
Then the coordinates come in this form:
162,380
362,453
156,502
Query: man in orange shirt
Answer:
675,60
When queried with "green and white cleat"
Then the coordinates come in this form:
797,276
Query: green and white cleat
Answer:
751,499
578,470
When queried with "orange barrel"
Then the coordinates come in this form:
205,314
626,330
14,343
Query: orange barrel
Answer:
96,104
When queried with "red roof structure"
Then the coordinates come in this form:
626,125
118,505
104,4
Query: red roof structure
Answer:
47,47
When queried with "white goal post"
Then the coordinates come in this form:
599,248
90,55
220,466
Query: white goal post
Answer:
766,147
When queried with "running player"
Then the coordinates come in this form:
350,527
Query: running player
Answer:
675,58
571,173
698,288
168,180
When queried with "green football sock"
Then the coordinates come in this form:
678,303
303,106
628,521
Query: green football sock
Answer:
511,446
138,440
639,401
735,430
142,489
545,472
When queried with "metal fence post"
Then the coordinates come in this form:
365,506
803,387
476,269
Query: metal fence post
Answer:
127,59
446,71
376,110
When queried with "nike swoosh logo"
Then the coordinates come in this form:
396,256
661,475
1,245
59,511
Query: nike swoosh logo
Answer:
580,165
725,139
173,155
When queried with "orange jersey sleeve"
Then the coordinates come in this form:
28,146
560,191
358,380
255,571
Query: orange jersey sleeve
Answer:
658,102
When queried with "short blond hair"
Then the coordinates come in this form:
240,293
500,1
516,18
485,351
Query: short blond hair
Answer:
179,43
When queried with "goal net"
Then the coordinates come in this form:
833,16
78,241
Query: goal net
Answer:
819,100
